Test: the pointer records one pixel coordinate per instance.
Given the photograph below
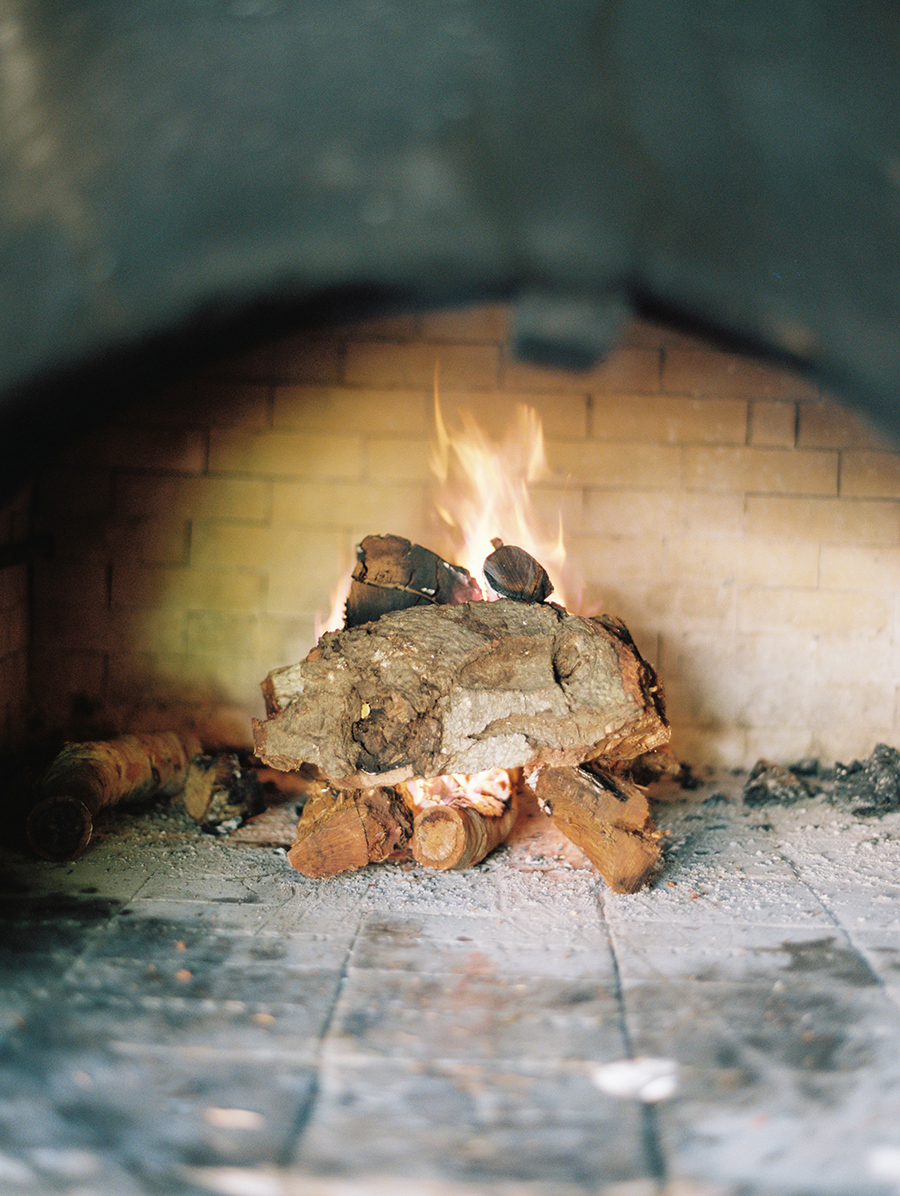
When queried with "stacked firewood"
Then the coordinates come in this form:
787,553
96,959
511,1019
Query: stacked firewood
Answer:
432,710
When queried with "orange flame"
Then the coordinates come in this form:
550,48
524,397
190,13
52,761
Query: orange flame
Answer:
484,488
483,493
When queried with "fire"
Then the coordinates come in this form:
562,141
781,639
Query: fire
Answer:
489,791
484,490
482,497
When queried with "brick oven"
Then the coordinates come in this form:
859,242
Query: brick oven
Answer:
242,239
744,525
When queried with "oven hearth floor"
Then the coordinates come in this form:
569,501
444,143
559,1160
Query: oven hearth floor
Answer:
181,1014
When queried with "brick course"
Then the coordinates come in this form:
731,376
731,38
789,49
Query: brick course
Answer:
745,526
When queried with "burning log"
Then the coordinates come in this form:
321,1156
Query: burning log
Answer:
608,819
458,835
341,831
458,689
513,573
464,818
88,777
219,794
394,574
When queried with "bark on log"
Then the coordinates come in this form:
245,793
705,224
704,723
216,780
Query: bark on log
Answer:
394,574
341,832
608,819
458,835
218,791
87,777
458,689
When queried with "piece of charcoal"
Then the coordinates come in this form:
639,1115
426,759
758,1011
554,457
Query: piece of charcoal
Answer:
872,786
773,785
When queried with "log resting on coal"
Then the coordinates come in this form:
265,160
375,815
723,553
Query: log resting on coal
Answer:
457,689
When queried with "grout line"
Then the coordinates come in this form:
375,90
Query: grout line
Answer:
308,1105
650,1131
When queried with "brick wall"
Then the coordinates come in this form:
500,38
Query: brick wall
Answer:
746,528
14,624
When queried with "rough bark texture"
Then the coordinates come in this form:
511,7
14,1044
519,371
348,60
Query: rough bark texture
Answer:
608,819
341,832
87,777
457,689
219,792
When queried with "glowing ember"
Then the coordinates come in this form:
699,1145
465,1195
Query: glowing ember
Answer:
489,791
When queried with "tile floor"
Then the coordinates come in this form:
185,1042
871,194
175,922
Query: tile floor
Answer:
181,1014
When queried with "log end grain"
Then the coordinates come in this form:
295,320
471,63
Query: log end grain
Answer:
343,831
59,828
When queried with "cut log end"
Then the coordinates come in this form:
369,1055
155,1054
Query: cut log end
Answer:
343,831
458,836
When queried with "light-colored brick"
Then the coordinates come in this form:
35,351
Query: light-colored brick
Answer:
310,571
502,415
727,375
667,606
812,612
617,560
625,371
459,367
859,567
664,419
774,424
856,653
744,680
829,520
332,504
828,424
398,458
866,474
748,561
633,466
193,588
192,498
486,325
781,471
641,512
718,747
341,410
286,454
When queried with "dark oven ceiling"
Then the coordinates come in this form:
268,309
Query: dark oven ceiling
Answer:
182,172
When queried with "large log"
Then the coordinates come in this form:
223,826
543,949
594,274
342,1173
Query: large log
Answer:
608,818
457,689
88,777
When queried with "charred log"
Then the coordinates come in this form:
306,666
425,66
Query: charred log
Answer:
394,574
